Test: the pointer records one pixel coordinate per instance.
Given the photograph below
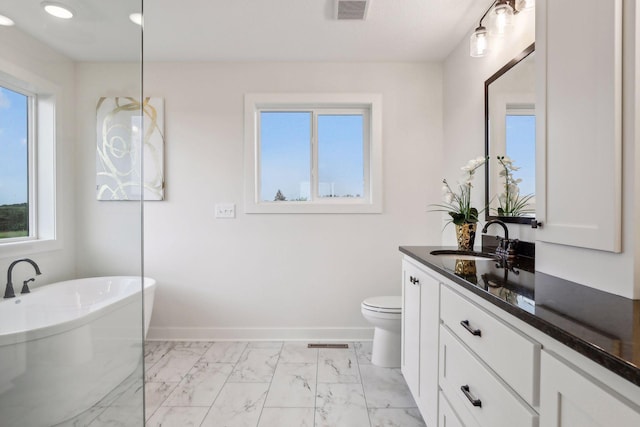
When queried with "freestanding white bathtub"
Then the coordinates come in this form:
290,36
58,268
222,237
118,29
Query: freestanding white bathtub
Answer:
65,346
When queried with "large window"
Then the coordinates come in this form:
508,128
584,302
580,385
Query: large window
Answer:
28,208
16,168
310,155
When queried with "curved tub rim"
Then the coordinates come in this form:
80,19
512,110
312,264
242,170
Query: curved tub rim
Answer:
17,337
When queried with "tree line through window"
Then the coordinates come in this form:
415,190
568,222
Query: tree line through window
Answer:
14,164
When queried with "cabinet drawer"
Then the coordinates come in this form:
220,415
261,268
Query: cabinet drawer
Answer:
512,355
447,416
475,394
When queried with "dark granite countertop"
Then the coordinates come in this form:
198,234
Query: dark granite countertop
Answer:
601,326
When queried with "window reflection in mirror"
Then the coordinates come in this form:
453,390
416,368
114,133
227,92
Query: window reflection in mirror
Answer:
510,140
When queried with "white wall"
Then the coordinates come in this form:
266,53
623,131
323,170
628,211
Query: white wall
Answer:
109,232
24,57
298,276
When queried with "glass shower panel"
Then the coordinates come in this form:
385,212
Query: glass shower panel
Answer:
72,349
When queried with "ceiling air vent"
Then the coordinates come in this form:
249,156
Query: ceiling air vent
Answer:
351,9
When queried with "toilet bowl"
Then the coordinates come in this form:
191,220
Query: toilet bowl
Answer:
384,313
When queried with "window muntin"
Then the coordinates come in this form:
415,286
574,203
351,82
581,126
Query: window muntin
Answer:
17,201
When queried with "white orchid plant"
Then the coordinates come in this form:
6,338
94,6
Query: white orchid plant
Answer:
511,202
458,204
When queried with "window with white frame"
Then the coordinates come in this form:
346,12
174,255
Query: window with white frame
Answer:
309,153
28,208
17,198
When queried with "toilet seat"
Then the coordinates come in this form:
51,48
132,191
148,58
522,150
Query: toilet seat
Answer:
384,304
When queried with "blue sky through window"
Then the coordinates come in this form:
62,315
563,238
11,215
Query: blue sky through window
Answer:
285,155
340,156
13,147
521,148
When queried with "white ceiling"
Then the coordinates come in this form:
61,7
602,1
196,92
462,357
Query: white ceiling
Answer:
250,30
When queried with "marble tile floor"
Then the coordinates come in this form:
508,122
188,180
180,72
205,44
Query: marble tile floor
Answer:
263,384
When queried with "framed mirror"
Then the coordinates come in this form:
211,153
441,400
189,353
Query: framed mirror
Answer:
510,140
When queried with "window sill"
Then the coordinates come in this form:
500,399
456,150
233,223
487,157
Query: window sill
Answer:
313,208
28,247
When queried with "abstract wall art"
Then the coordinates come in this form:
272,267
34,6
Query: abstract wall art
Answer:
130,149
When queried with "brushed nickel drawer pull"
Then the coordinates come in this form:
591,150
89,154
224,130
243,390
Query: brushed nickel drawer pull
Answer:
474,332
467,393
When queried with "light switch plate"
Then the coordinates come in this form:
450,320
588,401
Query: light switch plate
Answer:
225,210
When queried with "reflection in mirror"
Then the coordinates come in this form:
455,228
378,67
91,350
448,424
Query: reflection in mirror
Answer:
510,124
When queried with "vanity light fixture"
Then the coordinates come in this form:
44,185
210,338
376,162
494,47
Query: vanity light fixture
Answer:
479,42
6,22
56,9
502,17
501,21
136,18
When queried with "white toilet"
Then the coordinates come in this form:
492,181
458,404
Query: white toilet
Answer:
385,314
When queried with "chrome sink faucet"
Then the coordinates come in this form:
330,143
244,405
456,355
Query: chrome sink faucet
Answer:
507,247
8,292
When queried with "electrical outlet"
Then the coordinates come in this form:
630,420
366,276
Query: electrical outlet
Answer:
225,210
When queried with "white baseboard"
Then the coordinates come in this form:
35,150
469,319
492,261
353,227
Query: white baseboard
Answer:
259,334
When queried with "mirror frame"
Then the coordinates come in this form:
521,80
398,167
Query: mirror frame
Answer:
508,219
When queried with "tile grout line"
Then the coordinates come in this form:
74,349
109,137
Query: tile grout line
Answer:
226,381
315,397
364,393
173,346
270,382
170,346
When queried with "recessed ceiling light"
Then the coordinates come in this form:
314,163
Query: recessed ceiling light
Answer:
7,22
57,10
136,18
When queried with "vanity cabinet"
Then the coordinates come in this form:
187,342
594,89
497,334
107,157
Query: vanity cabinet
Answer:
420,320
579,116
469,363
570,397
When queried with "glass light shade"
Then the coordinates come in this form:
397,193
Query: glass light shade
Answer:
501,19
5,21
479,42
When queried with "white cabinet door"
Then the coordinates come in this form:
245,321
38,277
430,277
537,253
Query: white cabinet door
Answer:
569,398
579,122
411,327
420,325
429,348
